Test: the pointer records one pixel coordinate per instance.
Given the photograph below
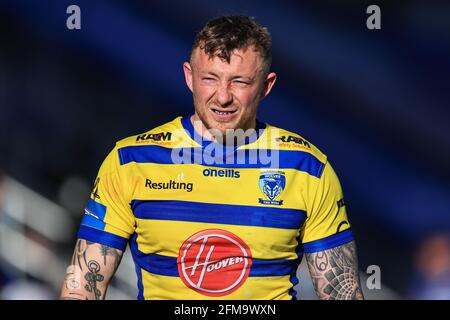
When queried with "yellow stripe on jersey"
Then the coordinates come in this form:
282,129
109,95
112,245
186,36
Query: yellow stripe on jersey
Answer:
206,180
272,243
157,287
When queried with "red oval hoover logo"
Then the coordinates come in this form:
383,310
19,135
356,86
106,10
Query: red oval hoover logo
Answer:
214,262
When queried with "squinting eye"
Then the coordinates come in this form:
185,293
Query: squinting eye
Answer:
240,82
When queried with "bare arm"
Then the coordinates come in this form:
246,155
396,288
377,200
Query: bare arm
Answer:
334,273
90,271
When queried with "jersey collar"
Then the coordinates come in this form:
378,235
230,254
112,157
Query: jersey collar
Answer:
193,134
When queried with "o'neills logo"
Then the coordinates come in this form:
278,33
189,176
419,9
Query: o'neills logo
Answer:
214,262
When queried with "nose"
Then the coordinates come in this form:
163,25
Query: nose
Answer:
223,94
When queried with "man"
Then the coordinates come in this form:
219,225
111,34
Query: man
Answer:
218,205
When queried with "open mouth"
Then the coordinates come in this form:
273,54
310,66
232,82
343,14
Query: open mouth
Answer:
223,113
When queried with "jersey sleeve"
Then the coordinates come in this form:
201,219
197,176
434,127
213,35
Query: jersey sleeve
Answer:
108,218
327,225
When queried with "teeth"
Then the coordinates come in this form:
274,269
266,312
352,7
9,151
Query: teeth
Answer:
222,113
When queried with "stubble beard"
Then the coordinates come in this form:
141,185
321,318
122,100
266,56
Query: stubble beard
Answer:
220,129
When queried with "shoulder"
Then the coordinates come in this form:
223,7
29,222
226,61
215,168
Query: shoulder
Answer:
285,140
167,135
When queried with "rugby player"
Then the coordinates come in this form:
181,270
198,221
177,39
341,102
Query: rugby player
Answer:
207,216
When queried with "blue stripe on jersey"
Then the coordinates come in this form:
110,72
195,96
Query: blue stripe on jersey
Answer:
269,268
167,266
94,215
102,237
96,208
92,222
137,267
287,159
293,278
219,213
328,242
154,263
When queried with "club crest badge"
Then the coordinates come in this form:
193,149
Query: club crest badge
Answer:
272,185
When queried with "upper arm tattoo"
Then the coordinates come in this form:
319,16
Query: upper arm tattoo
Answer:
334,272
92,266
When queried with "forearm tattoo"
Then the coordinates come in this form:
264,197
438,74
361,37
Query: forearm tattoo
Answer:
334,273
90,268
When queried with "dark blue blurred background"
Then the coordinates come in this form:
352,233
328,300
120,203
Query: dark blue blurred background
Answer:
376,102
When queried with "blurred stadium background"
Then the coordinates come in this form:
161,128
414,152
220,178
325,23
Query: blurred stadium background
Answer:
377,102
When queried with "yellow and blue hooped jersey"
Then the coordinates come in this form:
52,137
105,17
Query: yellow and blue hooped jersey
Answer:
209,222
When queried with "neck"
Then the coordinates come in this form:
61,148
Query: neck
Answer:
230,137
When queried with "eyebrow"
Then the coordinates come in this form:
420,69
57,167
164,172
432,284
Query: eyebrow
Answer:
209,73
248,78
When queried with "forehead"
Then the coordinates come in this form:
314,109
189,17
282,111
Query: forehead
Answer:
242,62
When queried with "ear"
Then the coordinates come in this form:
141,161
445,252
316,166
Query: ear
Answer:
270,80
188,74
